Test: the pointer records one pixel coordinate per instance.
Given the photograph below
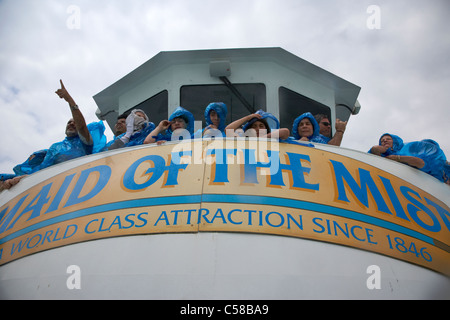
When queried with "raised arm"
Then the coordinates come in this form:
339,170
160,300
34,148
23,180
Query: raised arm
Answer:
340,129
78,118
163,125
282,134
240,122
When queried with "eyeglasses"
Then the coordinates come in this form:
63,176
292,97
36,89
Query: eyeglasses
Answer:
327,124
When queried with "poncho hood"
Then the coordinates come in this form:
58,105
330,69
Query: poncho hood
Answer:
311,118
221,110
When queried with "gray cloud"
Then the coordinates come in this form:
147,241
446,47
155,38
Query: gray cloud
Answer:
401,67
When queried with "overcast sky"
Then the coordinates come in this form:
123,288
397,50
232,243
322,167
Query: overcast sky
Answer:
399,58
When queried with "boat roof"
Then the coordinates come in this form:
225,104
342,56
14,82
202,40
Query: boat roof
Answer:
242,65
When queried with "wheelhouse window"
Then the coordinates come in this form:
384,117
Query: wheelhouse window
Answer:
293,104
196,98
155,107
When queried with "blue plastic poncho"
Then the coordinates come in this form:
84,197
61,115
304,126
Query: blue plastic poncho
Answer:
446,172
316,133
179,112
141,128
269,118
430,152
396,146
68,149
73,147
138,137
32,162
6,176
97,130
222,112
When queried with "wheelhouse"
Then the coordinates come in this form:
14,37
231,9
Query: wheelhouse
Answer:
246,80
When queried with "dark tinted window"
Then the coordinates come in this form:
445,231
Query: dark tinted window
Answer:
293,104
155,107
197,97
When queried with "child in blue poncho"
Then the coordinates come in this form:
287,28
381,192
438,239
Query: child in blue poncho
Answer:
260,124
215,117
180,122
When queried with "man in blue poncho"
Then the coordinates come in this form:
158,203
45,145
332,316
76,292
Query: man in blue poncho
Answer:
181,122
305,128
27,167
325,129
80,140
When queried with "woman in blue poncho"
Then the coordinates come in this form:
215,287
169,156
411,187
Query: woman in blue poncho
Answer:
425,155
260,124
390,145
305,128
181,120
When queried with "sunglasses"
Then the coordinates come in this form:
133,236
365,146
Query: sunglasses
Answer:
327,124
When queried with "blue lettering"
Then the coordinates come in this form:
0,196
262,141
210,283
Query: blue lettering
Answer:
56,234
322,228
159,167
442,212
10,215
67,229
204,215
88,224
275,225
394,199
40,200
221,163
229,216
100,229
140,218
34,245
19,247
129,221
175,218
276,169
298,171
352,230
219,214
291,218
163,216
116,222
250,216
189,211
61,192
105,174
415,206
342,174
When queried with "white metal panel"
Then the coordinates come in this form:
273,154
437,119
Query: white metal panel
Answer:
215,266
